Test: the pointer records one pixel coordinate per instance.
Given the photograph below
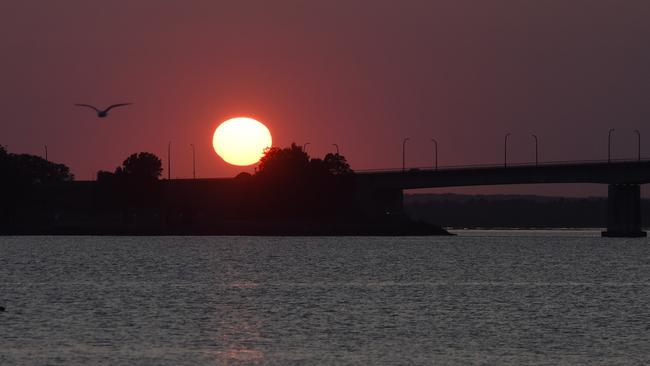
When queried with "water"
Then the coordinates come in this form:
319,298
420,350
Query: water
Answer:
484,297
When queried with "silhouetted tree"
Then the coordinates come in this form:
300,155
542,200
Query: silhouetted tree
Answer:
142,166
3,161
243,176
132,186
318,168
337,164
105,176
291,184
37,170
294,162
287,162
25,169
22,178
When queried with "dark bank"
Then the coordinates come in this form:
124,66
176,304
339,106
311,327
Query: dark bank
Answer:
513,211
290,194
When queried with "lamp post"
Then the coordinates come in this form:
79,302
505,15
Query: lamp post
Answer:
404,153
46,153
536,159
435,150
337,148
638,135
609,145
304,147
193,162
169,160
505,150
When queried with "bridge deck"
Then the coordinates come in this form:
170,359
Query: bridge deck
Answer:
615,172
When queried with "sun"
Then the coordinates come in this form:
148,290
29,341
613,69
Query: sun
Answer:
241,141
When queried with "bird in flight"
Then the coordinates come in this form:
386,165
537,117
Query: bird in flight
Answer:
103,113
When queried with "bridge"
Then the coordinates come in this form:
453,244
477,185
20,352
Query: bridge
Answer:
382,190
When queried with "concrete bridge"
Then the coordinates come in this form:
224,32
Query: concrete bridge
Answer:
382,191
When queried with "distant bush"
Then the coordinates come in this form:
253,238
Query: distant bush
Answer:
141,166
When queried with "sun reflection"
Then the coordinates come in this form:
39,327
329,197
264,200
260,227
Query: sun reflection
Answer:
244,354
238,327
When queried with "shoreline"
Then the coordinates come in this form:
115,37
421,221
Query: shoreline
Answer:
380,227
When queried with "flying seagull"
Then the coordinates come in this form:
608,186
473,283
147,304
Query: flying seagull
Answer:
104,113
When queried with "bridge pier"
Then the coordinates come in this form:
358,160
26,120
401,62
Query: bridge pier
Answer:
624,211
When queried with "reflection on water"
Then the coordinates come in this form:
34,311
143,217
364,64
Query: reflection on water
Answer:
241,355
526,297
238,331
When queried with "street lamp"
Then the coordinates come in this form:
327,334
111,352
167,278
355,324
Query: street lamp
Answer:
609,145
435,148
169,160
505,150
404,153
304,147
337,148
46,152
638,134
193,162
536,160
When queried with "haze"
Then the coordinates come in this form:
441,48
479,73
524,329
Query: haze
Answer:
362,74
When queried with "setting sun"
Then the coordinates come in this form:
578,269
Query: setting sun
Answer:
241,141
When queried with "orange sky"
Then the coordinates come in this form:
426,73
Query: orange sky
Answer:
362,74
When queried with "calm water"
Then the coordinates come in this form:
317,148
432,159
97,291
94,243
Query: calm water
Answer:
524,297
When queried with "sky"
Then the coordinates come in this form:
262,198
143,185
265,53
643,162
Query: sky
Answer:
361,74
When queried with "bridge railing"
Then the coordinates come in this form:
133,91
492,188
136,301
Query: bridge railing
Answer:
493,166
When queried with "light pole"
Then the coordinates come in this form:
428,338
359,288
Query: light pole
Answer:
536,160
404,153
46,153
337,148
304,147
638,135
193,162
169,160
505,150
609,145
435,149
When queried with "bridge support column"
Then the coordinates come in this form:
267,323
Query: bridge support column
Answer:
624,211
